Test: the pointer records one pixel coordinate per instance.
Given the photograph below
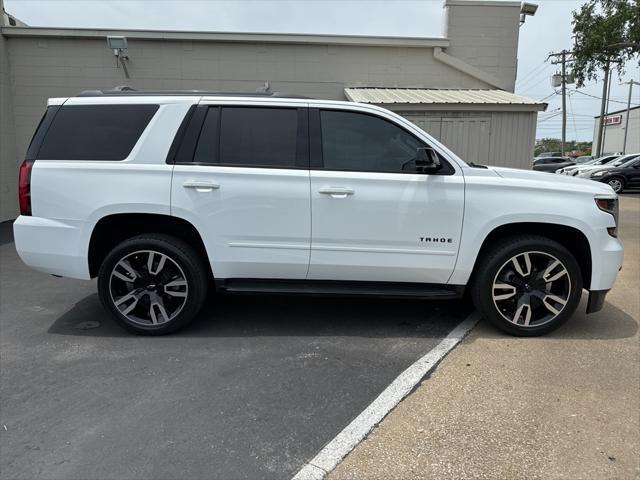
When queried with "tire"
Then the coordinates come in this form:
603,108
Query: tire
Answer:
153,284
617,183
531,304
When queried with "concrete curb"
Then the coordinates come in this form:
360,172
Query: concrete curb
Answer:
329,457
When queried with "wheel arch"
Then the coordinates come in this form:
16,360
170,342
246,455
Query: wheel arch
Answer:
113,229
570,237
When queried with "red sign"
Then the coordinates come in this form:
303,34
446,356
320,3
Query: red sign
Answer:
614,120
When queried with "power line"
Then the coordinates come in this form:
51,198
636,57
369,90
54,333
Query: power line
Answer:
600,98
533,70
537,79
548,96
550,117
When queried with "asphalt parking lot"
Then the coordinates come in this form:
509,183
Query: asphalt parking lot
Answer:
253,389
561,406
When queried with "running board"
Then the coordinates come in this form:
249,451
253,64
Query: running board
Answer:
332,287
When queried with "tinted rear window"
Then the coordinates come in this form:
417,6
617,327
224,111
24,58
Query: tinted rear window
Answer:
261,137
95,132
38,136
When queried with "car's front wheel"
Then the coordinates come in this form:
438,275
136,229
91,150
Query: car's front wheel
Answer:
617,183
153,284
527,285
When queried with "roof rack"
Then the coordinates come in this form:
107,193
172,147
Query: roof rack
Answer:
124,90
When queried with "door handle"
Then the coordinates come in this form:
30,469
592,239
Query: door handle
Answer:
337,192
201,186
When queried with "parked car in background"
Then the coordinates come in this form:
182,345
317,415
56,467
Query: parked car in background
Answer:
551,164
583,159
618,162
574,169
619,178
549,154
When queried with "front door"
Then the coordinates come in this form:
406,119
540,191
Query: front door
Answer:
633,175
245,187
374,216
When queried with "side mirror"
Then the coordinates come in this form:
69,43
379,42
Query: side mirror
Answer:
427,160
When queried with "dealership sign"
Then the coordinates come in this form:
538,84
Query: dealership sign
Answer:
614,120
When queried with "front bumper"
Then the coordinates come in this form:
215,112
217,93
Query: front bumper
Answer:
607,255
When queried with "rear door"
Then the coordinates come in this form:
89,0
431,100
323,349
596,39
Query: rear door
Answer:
245,186
551,164
563,162
374,216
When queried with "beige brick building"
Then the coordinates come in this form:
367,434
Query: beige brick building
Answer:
458,87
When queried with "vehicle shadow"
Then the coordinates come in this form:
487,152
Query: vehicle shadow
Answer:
299,315
6,232
631,193
288,315
611,323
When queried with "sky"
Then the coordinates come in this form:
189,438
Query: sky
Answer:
548,31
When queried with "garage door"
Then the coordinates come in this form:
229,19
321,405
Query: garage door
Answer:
431,125
468,137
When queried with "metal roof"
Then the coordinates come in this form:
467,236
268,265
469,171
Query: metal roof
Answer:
431,96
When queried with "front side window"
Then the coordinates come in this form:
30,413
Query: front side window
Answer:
359,142
95,132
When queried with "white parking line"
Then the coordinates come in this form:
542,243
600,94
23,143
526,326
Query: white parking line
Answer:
327,459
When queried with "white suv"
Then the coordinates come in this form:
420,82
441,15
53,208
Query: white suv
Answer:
160,195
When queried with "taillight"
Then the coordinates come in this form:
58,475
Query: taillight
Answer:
24,187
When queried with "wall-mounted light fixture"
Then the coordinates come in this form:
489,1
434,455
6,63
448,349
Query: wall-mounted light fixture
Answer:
119,47
527,9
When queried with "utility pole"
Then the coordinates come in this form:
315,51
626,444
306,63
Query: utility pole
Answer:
606,109
562,59
602,108
631,83
564,101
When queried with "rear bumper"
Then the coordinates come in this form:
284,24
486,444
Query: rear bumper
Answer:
57,247
596,300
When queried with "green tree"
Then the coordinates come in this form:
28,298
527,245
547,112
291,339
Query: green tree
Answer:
604,31
553,145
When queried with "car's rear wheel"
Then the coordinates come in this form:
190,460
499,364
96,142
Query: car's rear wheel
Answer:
617,183
527,285
153,284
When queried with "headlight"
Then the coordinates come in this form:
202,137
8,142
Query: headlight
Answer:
598,174
609,205
573,172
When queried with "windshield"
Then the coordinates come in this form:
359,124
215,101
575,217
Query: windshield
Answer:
603,160
628,161
592,162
